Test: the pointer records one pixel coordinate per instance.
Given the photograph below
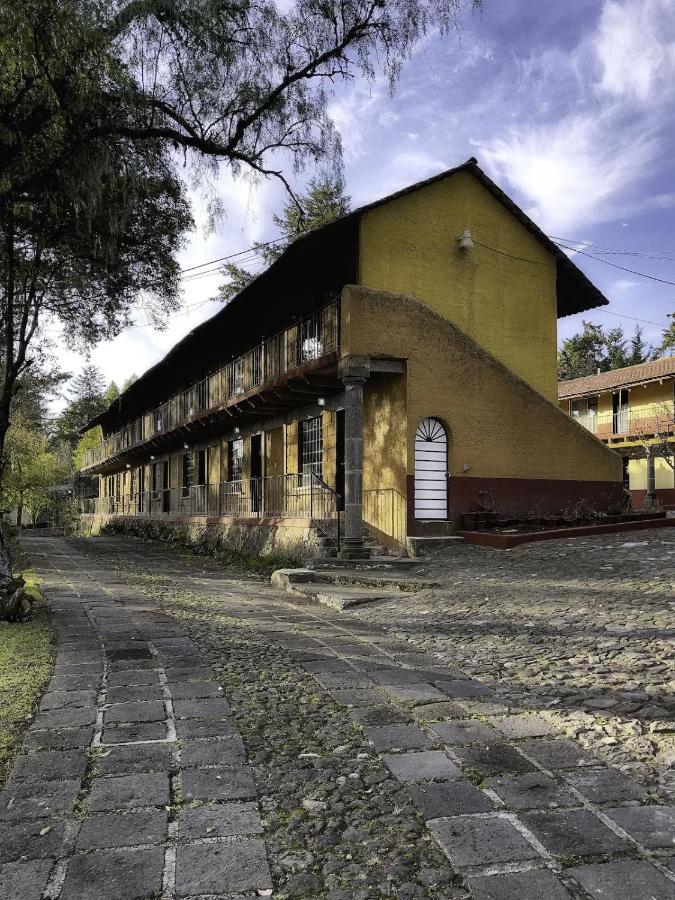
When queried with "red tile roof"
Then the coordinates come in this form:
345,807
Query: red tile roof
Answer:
617,378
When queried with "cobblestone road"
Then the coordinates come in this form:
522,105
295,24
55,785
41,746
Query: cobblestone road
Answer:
348,755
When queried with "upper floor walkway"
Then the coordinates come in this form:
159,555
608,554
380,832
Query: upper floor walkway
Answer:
302,346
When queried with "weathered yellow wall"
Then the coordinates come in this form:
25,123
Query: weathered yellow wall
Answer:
637,474
498,425
506,305
649,398
329,450
292,447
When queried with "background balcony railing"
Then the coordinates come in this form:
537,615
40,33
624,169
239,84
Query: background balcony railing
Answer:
659,419
307,340
278,496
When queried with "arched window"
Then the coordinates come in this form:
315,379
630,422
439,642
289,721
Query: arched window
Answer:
431,470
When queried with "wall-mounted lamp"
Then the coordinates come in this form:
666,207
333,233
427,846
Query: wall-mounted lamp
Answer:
321,401
236,430
152,457
466,467
464,241
186,447
128,466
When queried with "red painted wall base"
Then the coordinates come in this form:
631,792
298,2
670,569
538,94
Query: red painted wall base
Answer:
507,541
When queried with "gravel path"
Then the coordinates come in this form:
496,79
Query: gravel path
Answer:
353,754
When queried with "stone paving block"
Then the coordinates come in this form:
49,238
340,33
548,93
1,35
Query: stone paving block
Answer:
470,841
141,731
357,697
227,751
427,765
651,826
226,868
535,884
524,725
122,665
218,784
123,830
134,759
378,715
67,699
133,692
148,711
205,728
605,785
78,668
200,709
189,690
573,831
395,676
398,737
30,840
74,682
37,799
437,799
464,731
624,880
123,791
438,712
225,820
114,875
413,693
24,880
486,708
559,754
50,764
195,673
58,739
132,677
493,759
331,665
64,718
464,688
531,791
341,681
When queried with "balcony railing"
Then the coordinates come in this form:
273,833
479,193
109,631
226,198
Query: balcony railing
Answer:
659,419
278,496
307,340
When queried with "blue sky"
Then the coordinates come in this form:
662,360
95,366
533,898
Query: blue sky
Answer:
567,106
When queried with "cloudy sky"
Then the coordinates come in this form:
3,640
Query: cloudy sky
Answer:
567,106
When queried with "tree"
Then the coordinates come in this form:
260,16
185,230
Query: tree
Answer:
596,350
324,201
32,471
640,352
582,354
87,399
96,98
668,341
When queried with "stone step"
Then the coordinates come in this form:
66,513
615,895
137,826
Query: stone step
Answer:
376,563
343,596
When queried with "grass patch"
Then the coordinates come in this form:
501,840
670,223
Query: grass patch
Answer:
25,666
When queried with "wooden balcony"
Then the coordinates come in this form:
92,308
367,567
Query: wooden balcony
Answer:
658,419
281,372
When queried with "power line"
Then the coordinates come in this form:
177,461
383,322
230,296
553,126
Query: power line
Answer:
617,266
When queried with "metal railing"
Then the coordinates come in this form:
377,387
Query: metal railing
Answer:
645,420
385,510
309,339
278,496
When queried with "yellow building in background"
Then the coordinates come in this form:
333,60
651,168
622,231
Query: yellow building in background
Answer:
395,368
632,411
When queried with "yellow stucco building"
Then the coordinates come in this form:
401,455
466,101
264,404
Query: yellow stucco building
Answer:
632,410
396,367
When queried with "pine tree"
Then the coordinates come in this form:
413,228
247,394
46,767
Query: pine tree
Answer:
324,201
640,352
668,341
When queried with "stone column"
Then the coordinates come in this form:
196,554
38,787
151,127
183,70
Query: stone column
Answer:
352,543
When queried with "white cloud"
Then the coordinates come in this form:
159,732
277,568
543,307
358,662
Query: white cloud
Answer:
625,284
635,45
570,171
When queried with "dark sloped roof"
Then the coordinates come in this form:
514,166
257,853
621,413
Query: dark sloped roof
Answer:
575,292
617,378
